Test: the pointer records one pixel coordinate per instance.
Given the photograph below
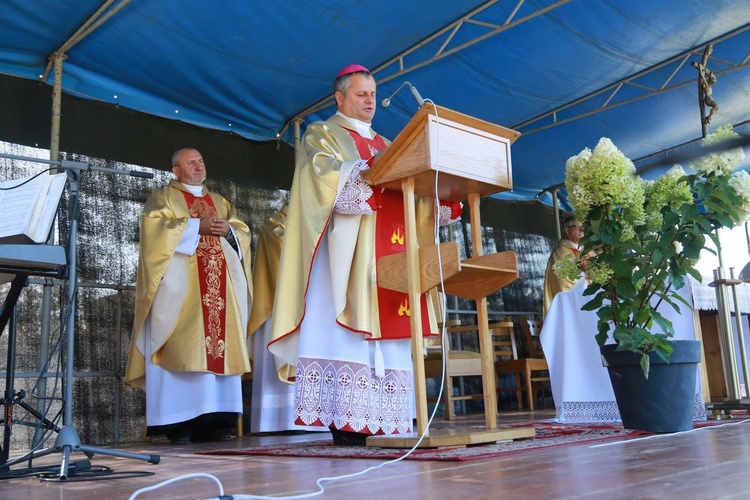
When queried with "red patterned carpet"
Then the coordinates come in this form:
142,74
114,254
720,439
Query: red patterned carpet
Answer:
548,434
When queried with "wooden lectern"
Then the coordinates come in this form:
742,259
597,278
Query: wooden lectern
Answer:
463,158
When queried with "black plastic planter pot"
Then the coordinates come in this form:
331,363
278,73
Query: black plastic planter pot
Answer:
665,401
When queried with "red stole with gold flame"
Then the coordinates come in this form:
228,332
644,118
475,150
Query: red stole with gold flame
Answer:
390,238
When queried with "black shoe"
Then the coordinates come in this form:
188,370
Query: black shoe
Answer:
179,436
215,434
347,438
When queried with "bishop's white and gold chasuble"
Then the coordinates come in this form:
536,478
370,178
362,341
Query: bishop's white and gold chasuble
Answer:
331,321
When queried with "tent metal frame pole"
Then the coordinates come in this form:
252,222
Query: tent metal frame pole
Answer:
54,144
556,205
54,153
297,137
92,23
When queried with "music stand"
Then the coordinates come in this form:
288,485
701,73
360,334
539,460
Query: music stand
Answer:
67,439
21,261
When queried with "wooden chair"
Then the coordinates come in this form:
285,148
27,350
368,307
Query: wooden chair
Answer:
506,361
465,363
539,381
530,368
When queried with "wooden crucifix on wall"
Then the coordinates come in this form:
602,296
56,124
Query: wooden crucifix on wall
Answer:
706,80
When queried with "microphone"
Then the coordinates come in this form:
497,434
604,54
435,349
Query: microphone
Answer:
416,95
145,175
387,101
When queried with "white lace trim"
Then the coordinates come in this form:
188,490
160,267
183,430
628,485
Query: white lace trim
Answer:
444,215
356,192
699,408
341,393
704,296
587,411
574,412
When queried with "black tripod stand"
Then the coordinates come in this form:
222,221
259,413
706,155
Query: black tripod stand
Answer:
12,398
68,440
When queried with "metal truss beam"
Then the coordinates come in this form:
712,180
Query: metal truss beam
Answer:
397,66
609,93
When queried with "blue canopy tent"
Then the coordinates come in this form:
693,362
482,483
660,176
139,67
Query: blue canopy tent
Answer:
564,73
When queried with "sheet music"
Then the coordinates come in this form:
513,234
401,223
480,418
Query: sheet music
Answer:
52,200
17,205
27,211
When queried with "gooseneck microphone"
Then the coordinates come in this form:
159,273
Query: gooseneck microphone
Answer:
387,101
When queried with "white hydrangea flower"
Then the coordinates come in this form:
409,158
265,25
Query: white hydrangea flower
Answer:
720,162
740,182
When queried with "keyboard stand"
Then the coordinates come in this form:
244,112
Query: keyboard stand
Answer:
67,440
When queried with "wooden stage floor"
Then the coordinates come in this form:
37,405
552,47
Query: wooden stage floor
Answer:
707,463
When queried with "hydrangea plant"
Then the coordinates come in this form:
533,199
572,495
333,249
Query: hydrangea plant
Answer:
648,236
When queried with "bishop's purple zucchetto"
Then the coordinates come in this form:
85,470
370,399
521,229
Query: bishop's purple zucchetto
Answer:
352,68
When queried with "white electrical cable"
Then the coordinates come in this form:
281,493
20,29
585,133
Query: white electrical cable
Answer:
669,434
321,489
174,480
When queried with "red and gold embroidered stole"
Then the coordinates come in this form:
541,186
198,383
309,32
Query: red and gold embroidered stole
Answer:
390,238
212,271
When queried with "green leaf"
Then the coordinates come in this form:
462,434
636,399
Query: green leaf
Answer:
662,348
664,323
605,309
625,288
594,304
715,240
726,220
721,196
695,274
676,279
704,224
601,338
712,206
645,365
641,315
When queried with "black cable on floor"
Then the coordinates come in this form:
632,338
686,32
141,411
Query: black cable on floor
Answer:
26,472
94,473
78,471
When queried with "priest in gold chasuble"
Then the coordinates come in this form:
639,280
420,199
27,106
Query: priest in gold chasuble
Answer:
343,341
572,231
272,404
193,297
